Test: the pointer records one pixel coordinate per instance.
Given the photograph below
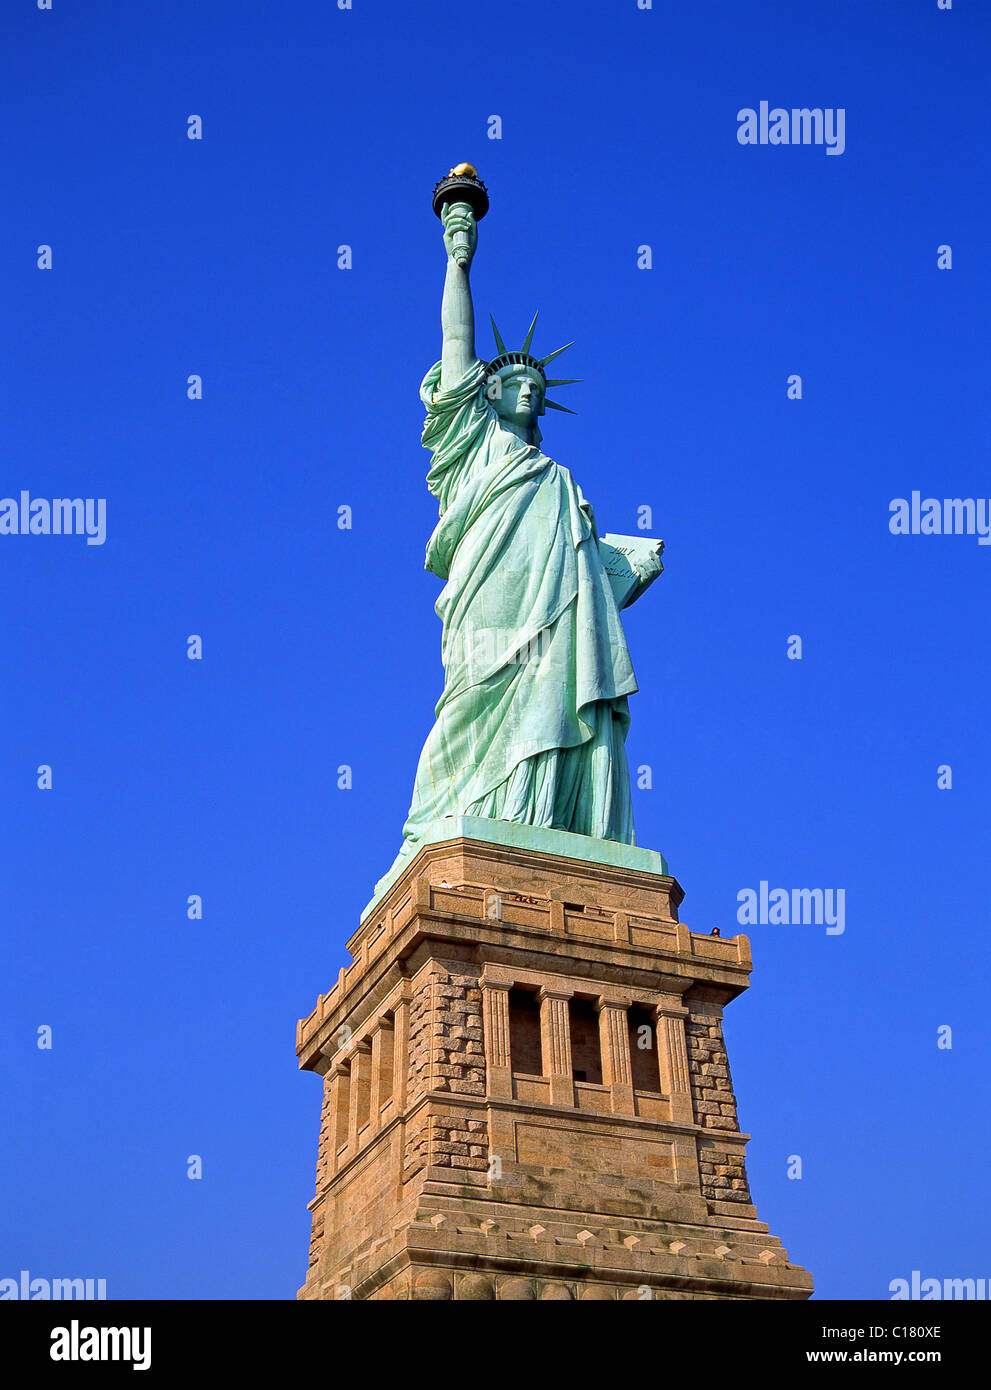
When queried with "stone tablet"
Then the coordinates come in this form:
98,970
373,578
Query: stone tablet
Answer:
632,564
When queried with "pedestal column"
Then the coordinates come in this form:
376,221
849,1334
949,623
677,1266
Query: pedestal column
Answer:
340,1110
555,1044
672,1055
400,1076
361,1067
495,1021
382,1064
614,1042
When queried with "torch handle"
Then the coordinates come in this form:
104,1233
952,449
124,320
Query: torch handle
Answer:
461,241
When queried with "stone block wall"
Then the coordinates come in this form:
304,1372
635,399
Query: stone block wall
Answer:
446,1054
721,1166
708,1065
460,1055
416,1154
324,1155
324,1167
723,1173
459,1141
420,1023
316,1239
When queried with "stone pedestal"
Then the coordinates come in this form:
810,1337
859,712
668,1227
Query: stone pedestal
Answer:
526,1091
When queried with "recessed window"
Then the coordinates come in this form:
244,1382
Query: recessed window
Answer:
387,1063
644,1061
364,1087
586,1053
524,1033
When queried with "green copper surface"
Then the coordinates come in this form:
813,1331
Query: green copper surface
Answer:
531,725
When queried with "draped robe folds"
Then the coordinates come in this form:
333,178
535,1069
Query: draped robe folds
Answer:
532,722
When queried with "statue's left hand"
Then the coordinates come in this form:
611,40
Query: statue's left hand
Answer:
648,567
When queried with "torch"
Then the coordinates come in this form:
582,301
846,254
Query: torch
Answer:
462,185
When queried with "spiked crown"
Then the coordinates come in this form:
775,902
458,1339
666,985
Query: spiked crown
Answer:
535,365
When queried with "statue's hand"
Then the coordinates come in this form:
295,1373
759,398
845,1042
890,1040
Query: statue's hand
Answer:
647,567
650,566
460,233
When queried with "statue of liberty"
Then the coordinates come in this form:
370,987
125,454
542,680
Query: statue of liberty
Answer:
531,725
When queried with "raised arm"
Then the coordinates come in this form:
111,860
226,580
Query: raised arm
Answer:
457,316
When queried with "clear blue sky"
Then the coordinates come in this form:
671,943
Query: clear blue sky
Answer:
218,777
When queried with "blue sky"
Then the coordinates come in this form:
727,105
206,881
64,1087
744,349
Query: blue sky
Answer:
219,257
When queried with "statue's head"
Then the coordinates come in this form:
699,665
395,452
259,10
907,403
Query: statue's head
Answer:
516,382
517,394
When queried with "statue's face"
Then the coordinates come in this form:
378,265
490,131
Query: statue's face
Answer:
522,399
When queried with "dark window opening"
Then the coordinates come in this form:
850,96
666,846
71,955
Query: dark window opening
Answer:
387,1064
586,1053
524,1033
644,1062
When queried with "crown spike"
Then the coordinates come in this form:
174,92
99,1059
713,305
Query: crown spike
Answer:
529,337
554,406
563,380
551,355
499,343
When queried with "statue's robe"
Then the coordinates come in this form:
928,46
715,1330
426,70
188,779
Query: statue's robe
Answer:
532,723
